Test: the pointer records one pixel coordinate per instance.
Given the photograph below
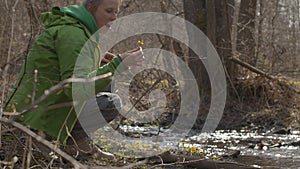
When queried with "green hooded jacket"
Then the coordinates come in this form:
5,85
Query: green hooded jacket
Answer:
53,58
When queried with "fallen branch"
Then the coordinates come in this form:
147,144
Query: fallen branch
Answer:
281,81
130,166
75,163
251,68
168,159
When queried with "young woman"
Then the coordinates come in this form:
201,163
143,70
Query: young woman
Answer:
52,59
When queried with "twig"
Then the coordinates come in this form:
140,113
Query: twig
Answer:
12,61
17,137
130,166
174,6
10,113
75,163
137,4
11,163
14,134
6,4
232,84
7,130
135,164
169,159
160,41
61,85
179,13
60,105
24,154
64,125
29,152
34,85
4,25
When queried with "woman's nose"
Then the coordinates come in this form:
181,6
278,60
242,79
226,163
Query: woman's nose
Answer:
113,17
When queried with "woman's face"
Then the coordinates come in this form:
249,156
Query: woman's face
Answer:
105,12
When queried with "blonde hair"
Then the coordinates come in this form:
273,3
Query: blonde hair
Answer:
95,2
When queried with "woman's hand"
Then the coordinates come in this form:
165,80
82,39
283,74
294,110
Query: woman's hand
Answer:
133,57
107,57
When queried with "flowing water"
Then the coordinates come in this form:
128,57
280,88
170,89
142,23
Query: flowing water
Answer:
264,150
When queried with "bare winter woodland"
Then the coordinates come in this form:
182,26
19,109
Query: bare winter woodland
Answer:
258,42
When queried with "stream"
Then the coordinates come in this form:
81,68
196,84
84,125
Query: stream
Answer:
263,150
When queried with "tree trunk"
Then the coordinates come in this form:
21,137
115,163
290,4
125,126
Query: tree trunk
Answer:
195,12
260,59
224,21
246,40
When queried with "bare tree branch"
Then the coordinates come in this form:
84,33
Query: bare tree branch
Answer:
38,138
61,85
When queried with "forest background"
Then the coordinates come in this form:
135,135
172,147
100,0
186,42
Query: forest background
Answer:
258,42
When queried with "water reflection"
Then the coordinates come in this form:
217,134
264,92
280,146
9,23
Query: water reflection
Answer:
253,148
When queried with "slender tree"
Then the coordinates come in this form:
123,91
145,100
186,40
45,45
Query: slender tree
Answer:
246,31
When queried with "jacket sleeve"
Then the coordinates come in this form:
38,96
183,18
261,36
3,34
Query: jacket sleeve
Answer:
77,58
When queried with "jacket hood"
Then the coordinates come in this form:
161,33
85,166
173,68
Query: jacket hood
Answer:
70,15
